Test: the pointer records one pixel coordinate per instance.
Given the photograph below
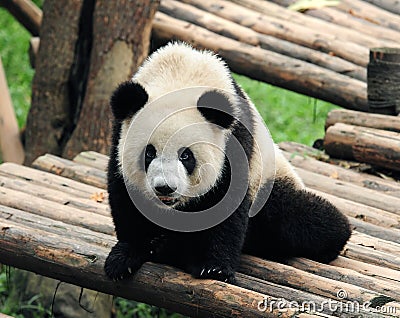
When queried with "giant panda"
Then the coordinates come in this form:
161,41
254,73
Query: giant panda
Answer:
176,172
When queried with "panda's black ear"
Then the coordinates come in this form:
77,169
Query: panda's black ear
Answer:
216,108
127,99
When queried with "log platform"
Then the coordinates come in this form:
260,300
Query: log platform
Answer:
54,221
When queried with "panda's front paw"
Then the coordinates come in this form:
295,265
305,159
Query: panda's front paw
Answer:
215,271
122,262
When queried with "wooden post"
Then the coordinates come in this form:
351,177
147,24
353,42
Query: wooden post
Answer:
26,12
10,142
384,81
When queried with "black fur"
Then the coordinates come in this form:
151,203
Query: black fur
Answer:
292,223
216,108
127,99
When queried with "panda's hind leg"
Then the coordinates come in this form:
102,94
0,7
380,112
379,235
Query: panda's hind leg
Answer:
295,222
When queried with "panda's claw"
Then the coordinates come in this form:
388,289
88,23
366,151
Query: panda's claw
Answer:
217,272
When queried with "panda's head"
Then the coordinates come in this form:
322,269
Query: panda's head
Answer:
172,149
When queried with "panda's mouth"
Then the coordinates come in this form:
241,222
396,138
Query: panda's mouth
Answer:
168,200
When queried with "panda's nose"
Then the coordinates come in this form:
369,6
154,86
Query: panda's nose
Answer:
165,189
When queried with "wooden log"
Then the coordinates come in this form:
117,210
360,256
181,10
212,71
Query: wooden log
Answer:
288,276
361,9
374,146
375,243
364,213
386,274
224,27
370,256
349,117
81,264
389,5
349,276
339,173
92,159
285,294
360,24
60,228
52,181
267,66
305,150
56,211
350,191
362,224
289,31
92,204
71,170
34,44
26,12
271,9
384,80
10,140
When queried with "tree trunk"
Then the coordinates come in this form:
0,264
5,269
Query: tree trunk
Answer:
48,118
80,61
121,36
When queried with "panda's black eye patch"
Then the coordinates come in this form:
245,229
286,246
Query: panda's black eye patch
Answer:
187,158
149,154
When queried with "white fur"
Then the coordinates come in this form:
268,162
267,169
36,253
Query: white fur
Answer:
175,67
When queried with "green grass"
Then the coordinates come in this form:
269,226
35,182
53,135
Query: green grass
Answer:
289,116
